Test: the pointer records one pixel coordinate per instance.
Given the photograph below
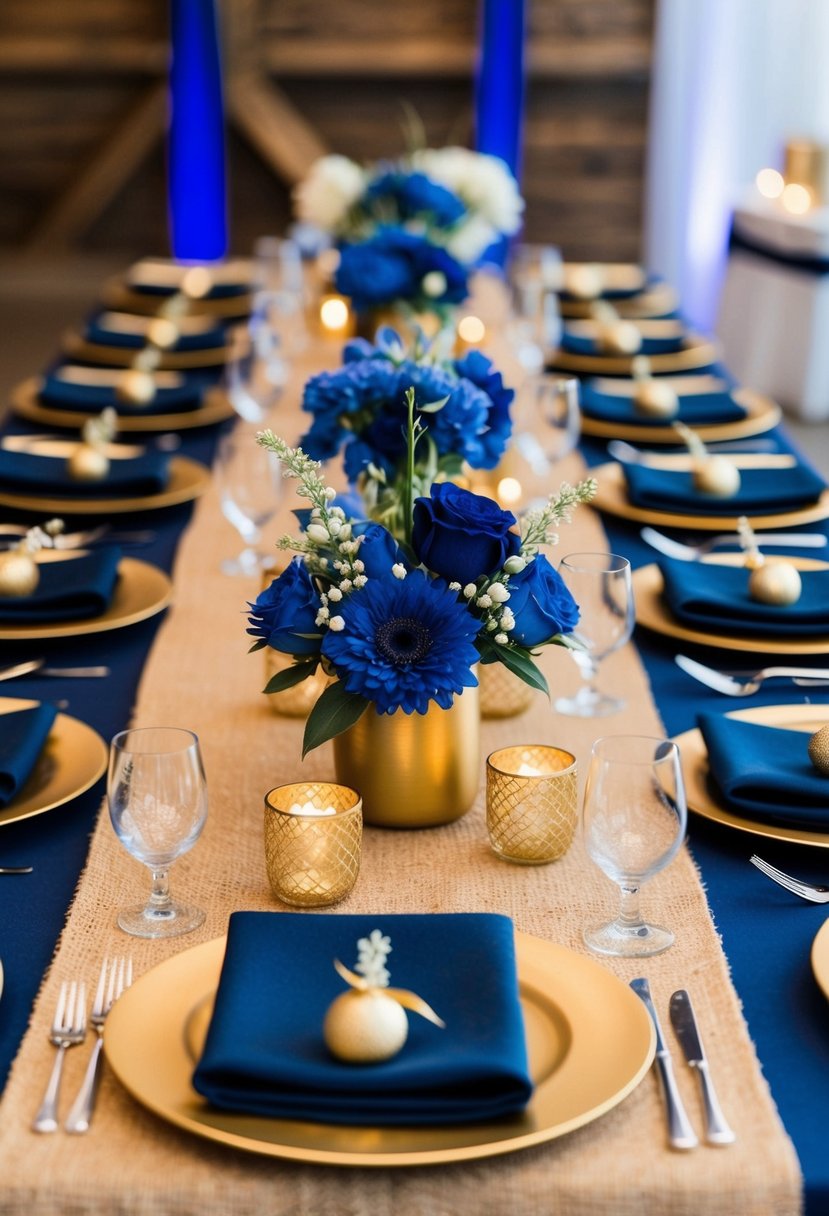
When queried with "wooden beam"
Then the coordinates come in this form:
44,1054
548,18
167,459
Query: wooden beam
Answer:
283,138
114,162
22,55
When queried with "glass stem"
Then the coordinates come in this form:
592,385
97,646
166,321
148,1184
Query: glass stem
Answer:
159,901
629,914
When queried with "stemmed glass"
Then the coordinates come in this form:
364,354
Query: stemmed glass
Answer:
250,484
547,413
634,822
601,586
535,325
157,797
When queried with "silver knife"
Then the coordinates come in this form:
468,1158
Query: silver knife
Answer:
717,1130
680,1133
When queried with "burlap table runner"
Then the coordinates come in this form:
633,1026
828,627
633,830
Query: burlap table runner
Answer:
133,1163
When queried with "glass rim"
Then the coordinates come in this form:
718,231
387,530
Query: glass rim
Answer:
118,741
670,746
303,785
621,563
492,764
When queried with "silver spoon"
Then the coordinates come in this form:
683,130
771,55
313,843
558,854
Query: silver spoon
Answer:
39,666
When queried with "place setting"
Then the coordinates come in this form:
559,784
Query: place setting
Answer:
607,345
112,339
627,286
147,287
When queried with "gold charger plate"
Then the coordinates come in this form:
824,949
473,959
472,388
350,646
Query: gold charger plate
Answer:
652,613
652,301
187,480
72,760
762,414
820,958
76,346
117,293
589,1038
611,496
25,402
701,797
141,591
696,352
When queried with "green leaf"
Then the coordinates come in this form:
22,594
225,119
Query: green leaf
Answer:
521,665
334,711
433,406
257,645
292,675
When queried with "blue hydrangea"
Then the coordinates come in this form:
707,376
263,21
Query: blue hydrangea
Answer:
412,195
481,371
391,265
405,642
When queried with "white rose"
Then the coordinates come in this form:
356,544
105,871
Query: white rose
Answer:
483,182
333,185
471,239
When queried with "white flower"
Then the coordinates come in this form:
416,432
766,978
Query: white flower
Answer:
507,620
499,593
359,566
500,638
434,284
469,590
469,241
492,625
324,197
514,564
454,586
360,580
334,526
335,594
337,624
484,601
398,570
330,493
322,616
483,182
317,533
345,585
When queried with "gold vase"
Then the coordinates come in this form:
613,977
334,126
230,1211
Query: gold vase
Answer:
403,320
503,695
413,770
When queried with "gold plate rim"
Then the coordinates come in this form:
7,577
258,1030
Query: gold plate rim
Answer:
142,591
648,304
819,956
188,480
117,293
652,613
78,347
611,497
762,415
695,769
69,737
216,407
697,352
135,1044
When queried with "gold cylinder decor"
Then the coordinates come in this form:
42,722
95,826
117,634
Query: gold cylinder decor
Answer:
414,770
503,694
807,164
313,836
531,802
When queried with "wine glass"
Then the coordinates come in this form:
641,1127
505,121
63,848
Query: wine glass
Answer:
554,402
256,370
250,484
634,822
157,798
535,325
601,586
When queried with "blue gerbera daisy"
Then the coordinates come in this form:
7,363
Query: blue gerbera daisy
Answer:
404,643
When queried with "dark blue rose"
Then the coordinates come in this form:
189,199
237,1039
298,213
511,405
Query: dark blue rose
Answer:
392,266
379,550
462,535
415,194
541,604
287,608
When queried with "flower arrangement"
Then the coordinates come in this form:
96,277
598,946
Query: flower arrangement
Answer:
400,624
410,230
359,411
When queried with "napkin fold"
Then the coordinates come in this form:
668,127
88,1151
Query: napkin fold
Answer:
92,398
265,1052
715,598
70,589
587,344
695,409
31,473
761,492
208,339
23,732
764,773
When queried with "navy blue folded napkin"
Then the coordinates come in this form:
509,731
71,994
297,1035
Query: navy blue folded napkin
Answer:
70,589
92,398
30,473
588,344
713,597
208,339
761,492
764,773
219,291
617,293
695,409
23,732
265,1053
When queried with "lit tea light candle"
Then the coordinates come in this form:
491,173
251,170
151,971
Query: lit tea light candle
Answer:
509,491
796,199
335,315
770,183
313,832
531,802
471,330
308,808
527,770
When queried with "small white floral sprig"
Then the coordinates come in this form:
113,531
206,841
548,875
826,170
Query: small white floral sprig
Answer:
38,538
100,430
372,952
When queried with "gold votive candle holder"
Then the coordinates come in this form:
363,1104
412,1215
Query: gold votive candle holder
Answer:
531,802
313,837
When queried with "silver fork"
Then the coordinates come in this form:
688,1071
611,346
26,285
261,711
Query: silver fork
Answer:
68,1029
114,978
806,890
79,540
732,686
692,553
628,454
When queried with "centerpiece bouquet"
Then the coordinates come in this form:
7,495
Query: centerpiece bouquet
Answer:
401,623
410,230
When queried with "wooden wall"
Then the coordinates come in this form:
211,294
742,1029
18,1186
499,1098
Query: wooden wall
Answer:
82,111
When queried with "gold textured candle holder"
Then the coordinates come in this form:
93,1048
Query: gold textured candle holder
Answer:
313,835
531,802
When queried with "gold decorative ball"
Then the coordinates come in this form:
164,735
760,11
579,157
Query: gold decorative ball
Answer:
162,333
619,338
819,750
135,387
365,1026
87,463
716,475
196,282
656,399
586,282
775,582
19,574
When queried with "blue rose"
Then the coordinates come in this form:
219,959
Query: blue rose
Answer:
541,604
461,535
379,551
391,265
415,194
286,609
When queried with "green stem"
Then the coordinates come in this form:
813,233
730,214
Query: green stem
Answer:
408,522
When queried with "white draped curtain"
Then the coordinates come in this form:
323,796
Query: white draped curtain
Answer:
732,81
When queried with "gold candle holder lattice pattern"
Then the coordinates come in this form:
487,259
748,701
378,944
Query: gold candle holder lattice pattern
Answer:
531,802
313,835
